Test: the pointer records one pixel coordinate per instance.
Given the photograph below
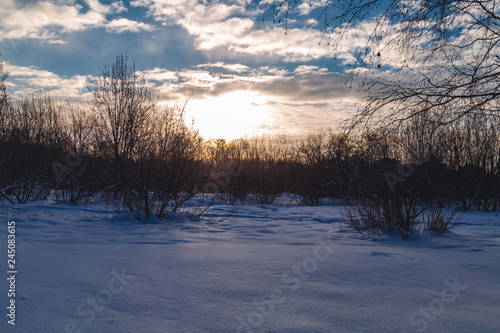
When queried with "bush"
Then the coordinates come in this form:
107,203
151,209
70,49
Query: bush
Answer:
226,177
440,220
397,216
310,172
164,172
393,216
34,139
266,168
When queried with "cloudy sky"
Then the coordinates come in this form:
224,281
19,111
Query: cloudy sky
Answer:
248,75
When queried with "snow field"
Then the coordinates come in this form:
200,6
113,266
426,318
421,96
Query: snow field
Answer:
273,268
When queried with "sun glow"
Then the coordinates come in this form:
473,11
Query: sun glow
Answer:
232,115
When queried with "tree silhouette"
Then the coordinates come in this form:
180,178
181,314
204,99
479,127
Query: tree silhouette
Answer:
436,58
4,101
121,103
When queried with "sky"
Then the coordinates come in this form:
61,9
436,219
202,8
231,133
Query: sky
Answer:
247,74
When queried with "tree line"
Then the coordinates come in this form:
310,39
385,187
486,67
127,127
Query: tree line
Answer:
145,159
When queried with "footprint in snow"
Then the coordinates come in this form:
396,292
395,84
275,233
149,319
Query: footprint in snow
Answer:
474,266
382,254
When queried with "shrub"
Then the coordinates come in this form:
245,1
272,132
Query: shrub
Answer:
267,168
397,216
35,138
439,220
393,216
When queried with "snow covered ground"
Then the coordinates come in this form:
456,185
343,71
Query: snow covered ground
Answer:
273,268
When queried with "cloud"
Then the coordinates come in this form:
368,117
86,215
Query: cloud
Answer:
297,101
47,20
305,84
300,119
161,75
306,7
40,20
238,68
123,25
31,78
318,87
294,45
114,7
232,26
306,69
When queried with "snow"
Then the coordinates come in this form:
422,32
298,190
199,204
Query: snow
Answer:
253,268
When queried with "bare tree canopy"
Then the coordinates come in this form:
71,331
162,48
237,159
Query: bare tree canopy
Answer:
4,100
3,88
438,59
121,101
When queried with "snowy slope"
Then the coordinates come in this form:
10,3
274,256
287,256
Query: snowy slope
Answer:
275,268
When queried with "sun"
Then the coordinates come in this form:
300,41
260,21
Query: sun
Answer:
232,115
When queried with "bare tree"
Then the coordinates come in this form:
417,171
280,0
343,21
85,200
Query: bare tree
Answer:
437,57
5,153
35,139
177,156
122,102
266,168
4,101
81,173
